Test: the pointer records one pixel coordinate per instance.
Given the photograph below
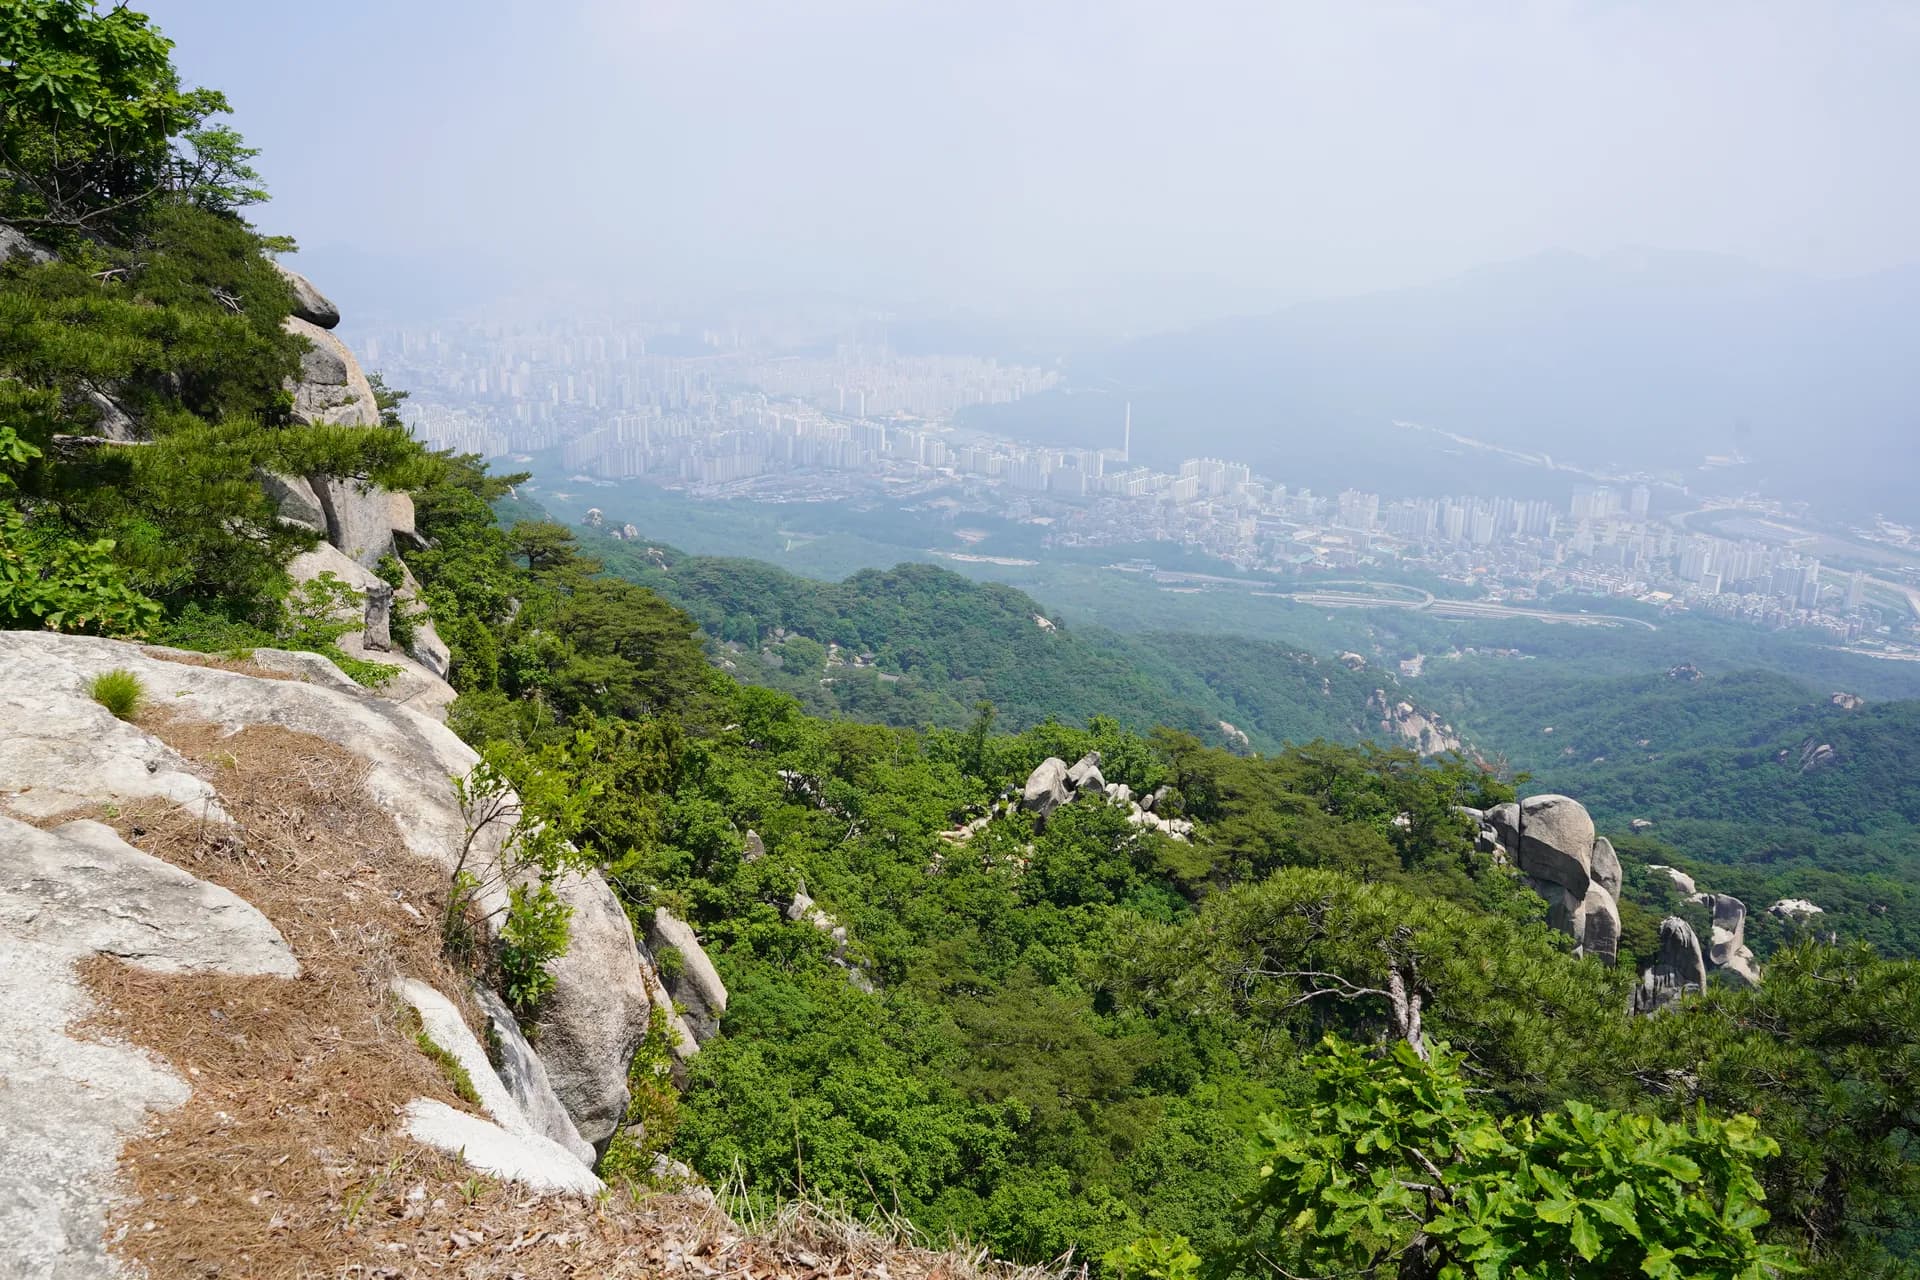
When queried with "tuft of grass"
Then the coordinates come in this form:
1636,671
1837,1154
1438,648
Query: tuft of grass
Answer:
448,1064
119,691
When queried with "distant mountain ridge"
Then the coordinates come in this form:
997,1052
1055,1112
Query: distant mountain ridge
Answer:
1638,359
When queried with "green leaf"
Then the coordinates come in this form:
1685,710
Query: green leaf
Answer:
1585,1239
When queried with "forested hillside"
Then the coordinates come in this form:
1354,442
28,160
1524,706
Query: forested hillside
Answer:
1795,792
920,645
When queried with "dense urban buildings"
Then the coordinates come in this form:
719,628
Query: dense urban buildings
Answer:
717,415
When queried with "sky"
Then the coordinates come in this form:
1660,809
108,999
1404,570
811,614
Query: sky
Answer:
1134,161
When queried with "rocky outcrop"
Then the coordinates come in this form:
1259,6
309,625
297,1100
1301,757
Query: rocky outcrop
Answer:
63,751
1505,821
1605,866
693,983
1556,842
1085,773
15,243
534,1162
1680,879
1813,755
70,1100
1795,909
298,504
1596,924
359,517
421,679
1727,948
1419,729
595,1016
1678,969
331,387
525,1077
517,1151
1047,788
309,303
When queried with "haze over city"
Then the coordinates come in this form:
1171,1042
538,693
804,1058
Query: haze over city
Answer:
1119,166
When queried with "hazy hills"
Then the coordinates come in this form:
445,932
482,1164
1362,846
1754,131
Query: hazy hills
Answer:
1644,359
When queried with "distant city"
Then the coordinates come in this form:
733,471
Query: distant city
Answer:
717,417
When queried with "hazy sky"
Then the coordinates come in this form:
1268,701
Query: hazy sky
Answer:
1004,154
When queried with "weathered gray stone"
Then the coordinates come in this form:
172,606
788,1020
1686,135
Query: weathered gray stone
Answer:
1729,927
61,750
525,1078
376,631
357,517
696,988
1563,908
15,243
1795,909
537,1163
70,1100
1605,866
1085,773
1678,969
1505,821
596,1014
112,420
752,849
442,1023
1727,950
1046,788
1680,879
1556,842
298,503
308,302
1599,924
331,387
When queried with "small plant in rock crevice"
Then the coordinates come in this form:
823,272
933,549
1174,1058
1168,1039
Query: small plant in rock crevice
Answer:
119,691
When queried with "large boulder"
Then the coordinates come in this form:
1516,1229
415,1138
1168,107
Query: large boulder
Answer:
524,1076
1677,970
15,243
1556,842
1729,927
1505,821
1599,924
309,303
1605,865
1678,878
359,517
1795,909
331,387
595,1016
1085,773
441,1022
1563,908
70,1100
695,985
297,502
1727,950
1046,788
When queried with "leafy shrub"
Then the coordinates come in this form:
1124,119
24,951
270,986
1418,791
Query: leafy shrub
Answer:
321,610
1392,1165
533,937
119,691
670,962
